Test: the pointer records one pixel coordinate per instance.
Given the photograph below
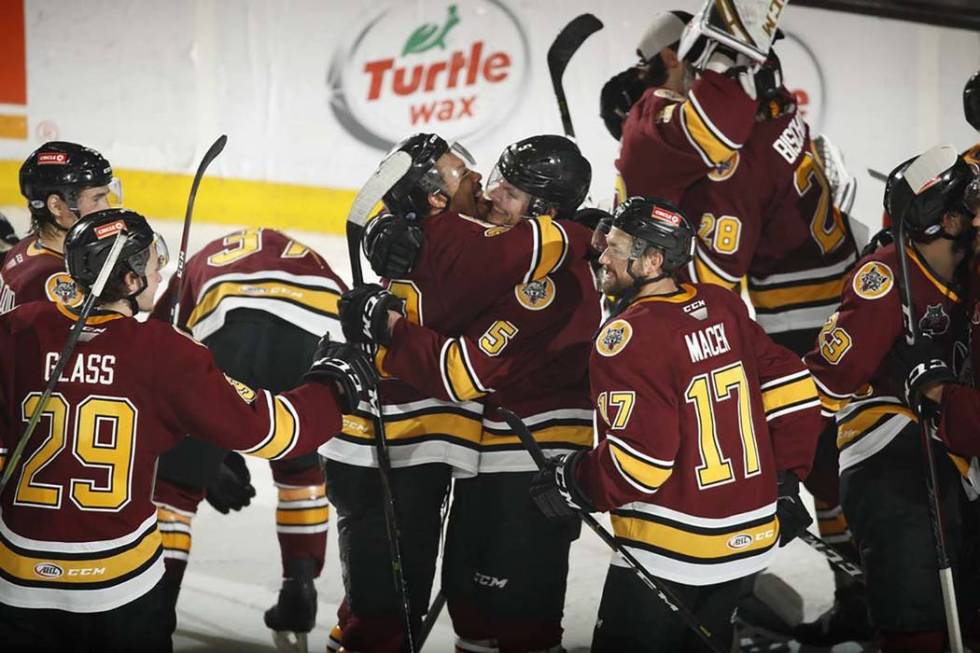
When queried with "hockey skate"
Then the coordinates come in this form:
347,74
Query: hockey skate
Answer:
294,614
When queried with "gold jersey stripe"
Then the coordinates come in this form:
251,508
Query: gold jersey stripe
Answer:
465,428
302,493
686,292
323,301
303,517
697,545
857,425
798,294
571,434
794,392
166,515
552,248
707,275
831,404
75,571
284,432
702,135
637,470
173,540
461,378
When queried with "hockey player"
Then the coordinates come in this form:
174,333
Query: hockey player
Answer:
259,301
461,265
61,182
505,565
734,153
882,483
702,444
80,550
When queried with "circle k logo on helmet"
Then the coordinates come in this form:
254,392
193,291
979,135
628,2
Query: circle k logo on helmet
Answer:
664,215
52,158
458,69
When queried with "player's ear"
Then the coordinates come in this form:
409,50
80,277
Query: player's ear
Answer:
438,201
669,58
653,261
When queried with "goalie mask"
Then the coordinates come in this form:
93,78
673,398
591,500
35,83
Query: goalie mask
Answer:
64,169
920,191
87,248
538,174
409,197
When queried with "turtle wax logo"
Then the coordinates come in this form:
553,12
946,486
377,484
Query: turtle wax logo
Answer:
459,69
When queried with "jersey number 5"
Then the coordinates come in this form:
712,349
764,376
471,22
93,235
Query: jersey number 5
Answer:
705,391
112,418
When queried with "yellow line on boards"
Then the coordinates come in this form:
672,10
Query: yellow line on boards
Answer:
163,196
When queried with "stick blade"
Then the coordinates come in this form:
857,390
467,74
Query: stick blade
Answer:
216,147
569,40
389,172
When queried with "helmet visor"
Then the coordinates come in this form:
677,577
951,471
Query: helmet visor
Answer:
115,198
160,247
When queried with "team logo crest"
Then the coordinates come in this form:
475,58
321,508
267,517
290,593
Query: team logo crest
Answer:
61,289
614,337
245,392
536,295
873,280
725,170
934,321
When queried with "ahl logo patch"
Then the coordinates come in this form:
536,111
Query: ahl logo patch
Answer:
536,295
725,170
739,541
245,392
934,321
61,289
873,280
48,570
613,338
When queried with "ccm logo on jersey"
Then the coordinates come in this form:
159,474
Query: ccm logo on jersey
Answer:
490,581
88,368
697,309
707,342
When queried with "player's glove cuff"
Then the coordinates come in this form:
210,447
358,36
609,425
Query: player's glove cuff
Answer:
793,516
921,377
392,244
364,314
348,367
555,491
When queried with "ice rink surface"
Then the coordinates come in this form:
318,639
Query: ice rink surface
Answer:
234,570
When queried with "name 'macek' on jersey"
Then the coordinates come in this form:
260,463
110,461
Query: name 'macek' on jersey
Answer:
756,190
464,266
78,530
262,270
697,412
529,352
32,272
849,361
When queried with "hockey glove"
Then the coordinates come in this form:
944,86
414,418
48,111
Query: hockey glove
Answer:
232,488
364,314
345,365
391,244
619,95
921,366
554,490
792,514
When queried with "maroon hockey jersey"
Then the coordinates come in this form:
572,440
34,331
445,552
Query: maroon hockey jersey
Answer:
849,363
258,269
755,188
31,272
464,266
697,412
78,530
528,352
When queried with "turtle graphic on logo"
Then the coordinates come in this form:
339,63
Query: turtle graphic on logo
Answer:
934,321
614,338
61,289
536,295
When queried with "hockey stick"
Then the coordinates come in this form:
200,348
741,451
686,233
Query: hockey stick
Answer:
388,173
666,595
431,617
836,559
209,156
879,176
917,176
566,44
66,352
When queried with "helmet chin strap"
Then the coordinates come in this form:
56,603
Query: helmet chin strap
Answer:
640,281
131,298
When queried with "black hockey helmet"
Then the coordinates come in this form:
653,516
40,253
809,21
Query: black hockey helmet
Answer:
550,169
971,100
653,222
409,197
63,169
921,190
88,243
